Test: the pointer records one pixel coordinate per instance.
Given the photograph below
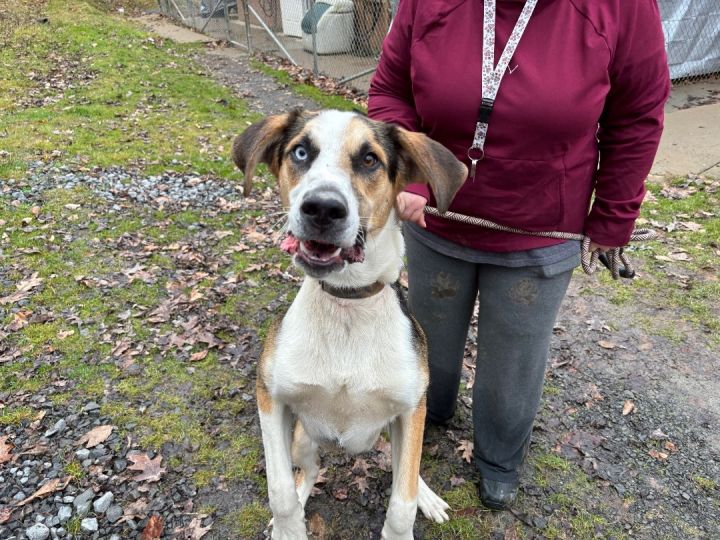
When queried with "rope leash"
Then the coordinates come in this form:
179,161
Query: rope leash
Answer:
614,259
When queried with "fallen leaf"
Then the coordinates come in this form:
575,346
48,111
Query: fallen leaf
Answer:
200,355
5,448
606,344
628,407
340,493
361,483
62,334
456,481
661,456
5,512
72,206
360,467
680,256
95,436
316,526
20,320
137,509
150,469
670,446
23,289
465,449
195,530
154,528
56,484
510,533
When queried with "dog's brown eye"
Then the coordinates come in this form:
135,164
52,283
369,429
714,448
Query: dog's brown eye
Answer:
370,160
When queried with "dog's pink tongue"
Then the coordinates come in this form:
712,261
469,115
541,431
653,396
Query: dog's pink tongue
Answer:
290,244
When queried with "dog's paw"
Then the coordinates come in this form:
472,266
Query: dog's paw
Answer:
432,506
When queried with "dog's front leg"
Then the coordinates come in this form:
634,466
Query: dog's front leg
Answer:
406,435
288,514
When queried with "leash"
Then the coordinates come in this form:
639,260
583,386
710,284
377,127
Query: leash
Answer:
614,259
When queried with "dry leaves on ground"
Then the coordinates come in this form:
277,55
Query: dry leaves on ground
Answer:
154,528
56,484
5,449
150,469
23,290
194,531
5,513
465,449
628,407
95,436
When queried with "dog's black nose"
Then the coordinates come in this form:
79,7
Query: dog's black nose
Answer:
323,211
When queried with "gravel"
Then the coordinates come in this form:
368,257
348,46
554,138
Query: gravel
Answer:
120,186
82,502
89,525
37,532
103,503
64,513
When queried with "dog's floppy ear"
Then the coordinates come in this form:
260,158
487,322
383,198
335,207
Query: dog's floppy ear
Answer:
424,161
262,142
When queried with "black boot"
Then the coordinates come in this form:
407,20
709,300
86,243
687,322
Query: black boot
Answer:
497,495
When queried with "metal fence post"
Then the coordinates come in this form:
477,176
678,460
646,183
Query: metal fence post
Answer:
314,38
246,17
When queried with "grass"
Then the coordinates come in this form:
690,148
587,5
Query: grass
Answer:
135,100
683,289
247,521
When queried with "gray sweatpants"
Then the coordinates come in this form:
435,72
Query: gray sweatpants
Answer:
517,312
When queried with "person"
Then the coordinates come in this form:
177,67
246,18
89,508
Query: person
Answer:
561,132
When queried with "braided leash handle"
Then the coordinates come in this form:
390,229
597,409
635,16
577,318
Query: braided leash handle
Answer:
614,259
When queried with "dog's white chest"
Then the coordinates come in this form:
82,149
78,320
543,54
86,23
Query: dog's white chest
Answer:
346,368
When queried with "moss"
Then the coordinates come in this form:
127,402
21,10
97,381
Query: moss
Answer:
249,521
15,416
708,484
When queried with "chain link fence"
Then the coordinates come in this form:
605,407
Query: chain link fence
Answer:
338,38
342,38
692,36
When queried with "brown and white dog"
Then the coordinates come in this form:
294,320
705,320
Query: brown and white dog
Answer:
346,360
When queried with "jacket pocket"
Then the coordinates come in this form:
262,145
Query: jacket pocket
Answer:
528,194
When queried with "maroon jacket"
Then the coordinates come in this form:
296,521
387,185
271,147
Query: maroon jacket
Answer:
580,64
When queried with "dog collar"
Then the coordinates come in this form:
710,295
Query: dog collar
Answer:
353,293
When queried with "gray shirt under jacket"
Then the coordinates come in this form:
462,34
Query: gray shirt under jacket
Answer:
561,257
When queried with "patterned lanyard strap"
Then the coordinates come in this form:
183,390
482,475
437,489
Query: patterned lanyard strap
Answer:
492,76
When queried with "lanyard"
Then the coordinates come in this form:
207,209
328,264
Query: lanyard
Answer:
492,76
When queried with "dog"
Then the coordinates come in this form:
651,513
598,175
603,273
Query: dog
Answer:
347,359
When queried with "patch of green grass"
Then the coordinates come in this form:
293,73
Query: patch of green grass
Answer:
73,525
134,101
570,490
325,101
461,526
708,484
249,521
14,416
74,469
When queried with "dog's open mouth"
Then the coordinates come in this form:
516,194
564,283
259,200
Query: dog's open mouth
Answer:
321,254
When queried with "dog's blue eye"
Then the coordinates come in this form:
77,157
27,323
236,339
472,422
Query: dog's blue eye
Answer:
300,153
